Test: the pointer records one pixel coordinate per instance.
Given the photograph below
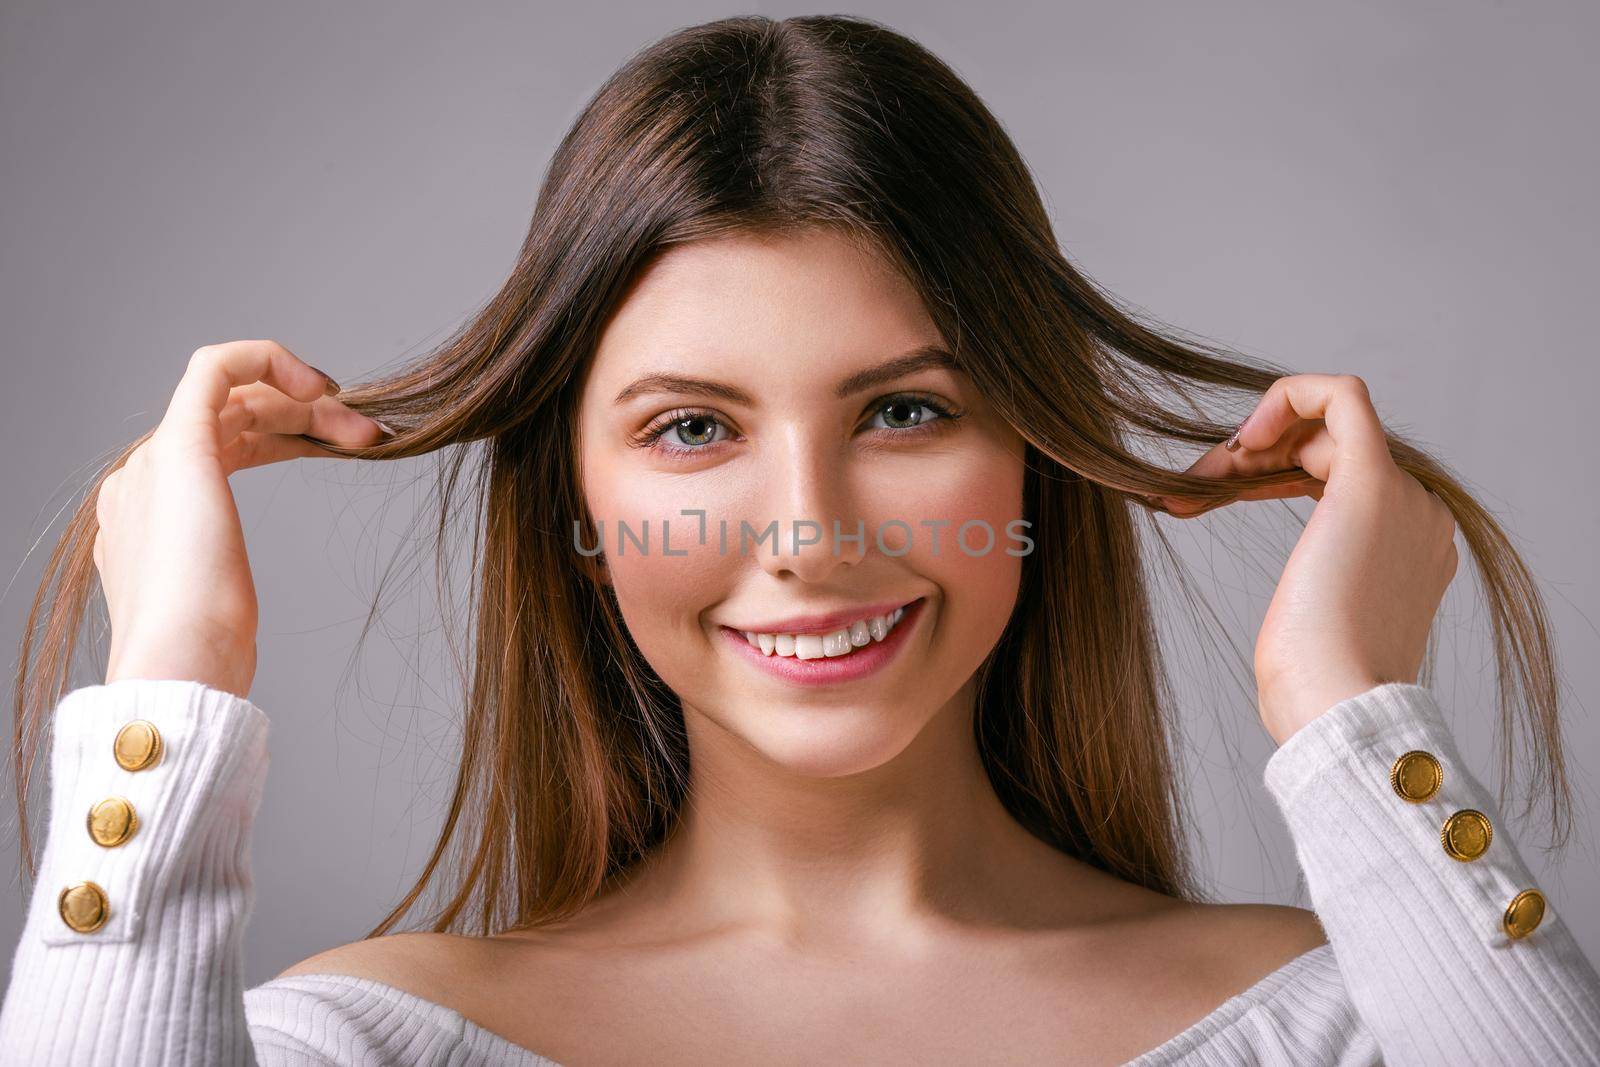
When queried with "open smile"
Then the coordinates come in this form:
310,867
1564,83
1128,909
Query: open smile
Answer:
826,660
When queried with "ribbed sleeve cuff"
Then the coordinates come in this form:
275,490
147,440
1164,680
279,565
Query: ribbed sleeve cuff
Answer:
194,805
1331,781
1343,734
1420,934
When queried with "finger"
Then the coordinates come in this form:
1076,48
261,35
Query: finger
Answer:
215,370
1340,400
1218,462
260,407
1186,508
1289,452
252,449
1307,486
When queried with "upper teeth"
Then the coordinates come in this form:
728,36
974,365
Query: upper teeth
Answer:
840,642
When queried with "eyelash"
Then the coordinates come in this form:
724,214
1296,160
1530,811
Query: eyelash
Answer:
650,437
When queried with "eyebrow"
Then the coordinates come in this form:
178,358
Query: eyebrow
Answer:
924,357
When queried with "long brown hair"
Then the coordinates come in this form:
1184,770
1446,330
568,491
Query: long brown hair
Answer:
574,758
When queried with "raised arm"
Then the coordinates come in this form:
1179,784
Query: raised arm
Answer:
132,949
131,953
1449,949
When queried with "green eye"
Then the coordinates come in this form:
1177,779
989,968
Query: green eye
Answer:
694,431
904,412
691,430
680,434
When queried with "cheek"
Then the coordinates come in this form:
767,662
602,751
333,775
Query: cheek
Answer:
661,595
969,503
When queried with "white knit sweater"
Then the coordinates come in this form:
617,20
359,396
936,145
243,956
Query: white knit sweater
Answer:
1418,969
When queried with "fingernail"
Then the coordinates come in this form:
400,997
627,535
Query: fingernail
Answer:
382,426
330,387
1232,443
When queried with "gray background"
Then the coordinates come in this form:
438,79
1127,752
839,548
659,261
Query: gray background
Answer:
1402,191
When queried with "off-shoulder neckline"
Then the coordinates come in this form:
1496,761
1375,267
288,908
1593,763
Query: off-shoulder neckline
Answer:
1191,1037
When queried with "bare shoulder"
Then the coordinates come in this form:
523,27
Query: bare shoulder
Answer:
1288,930
1237,945
1228,944
426,964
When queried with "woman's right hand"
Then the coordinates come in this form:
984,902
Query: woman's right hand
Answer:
170,550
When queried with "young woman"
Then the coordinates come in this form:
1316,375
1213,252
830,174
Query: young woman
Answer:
851,787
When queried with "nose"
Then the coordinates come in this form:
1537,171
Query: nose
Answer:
808,489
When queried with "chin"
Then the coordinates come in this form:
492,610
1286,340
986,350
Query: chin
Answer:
824,742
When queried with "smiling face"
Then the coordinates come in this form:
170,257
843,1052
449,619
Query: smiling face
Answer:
793,425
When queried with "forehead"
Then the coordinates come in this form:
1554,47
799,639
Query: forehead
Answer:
760,302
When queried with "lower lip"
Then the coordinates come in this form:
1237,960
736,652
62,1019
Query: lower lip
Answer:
831,670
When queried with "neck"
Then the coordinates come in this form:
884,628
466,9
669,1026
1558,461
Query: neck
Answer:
919,840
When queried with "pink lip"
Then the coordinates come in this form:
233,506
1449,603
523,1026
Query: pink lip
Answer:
822,623
831,670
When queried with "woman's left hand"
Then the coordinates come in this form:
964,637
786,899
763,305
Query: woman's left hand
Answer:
1355,602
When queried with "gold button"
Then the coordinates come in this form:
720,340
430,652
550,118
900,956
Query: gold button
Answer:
83,907
1524,913
138,745
112,821
1416,776
1466,834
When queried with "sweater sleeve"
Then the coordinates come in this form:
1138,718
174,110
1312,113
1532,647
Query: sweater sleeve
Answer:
1420,927
131,950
